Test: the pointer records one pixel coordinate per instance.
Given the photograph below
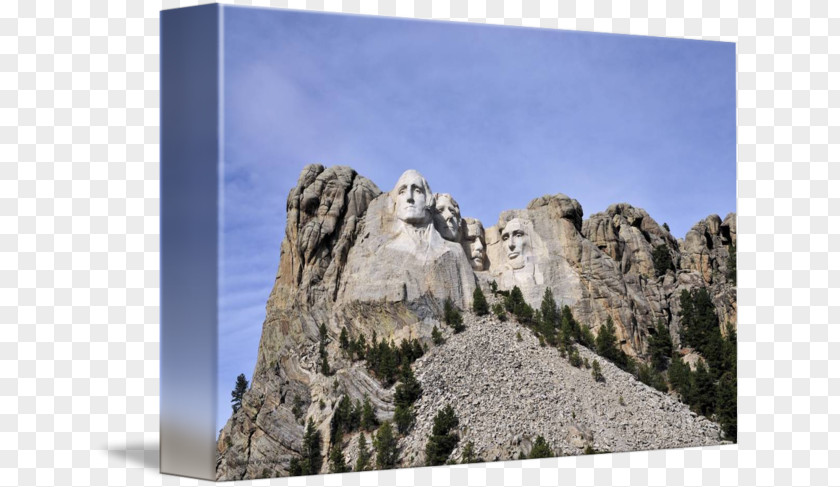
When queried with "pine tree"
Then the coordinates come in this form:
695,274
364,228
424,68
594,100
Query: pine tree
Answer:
452,316
666,227
363,461
729,362
337,462
238,392
403,418
516,305
361,348
499,311
442,440
732,265
468,455
607,345
702,390
541,449
368,420
437,337
660,347
727,405
574,358
385,444
679,376
480,306
596,371
662,260
341,419
311,459
343,339
699,318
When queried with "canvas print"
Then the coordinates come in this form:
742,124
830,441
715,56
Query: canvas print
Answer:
450,243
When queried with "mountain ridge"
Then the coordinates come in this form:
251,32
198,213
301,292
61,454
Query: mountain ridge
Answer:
350,260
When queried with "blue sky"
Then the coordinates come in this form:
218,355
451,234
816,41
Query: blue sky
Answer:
494,115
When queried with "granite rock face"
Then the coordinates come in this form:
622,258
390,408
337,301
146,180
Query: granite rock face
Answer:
359,259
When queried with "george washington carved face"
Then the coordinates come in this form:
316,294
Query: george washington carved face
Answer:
447,217
413,198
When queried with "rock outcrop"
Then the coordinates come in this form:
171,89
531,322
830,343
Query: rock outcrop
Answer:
358,259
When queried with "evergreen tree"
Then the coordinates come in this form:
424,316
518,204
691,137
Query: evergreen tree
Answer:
574,357
499,311
494,287
666,227
732,265
702,390
468,455
679,375
442,440
337,462
660,347
403,418
549,317
385,444
363,461
727,405
662,260
311,459
587,339
297,407
341,419
361,347
417,348
452,316
238,392
355,418
368,420
480,306
607,345
649,376
541,449
596,371
699,319
295,467
409,389
325,364
729,362
437,337
343,339
516,305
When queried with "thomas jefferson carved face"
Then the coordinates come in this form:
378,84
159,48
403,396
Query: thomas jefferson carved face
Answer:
447,217
473,243
515,243
413,198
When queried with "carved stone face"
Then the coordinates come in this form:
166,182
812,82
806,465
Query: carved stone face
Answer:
413,198
447,217
473,243
515,243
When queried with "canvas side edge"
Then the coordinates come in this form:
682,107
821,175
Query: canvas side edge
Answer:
189,184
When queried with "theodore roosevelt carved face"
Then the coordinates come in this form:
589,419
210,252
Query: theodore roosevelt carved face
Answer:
413,199
473,242
447,217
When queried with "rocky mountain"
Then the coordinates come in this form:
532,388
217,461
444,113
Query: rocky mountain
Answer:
367,262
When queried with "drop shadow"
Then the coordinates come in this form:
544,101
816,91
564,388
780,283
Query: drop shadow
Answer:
146,455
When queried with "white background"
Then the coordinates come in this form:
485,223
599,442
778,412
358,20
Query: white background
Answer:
79,252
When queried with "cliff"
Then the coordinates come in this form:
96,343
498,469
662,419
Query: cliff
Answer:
358,259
